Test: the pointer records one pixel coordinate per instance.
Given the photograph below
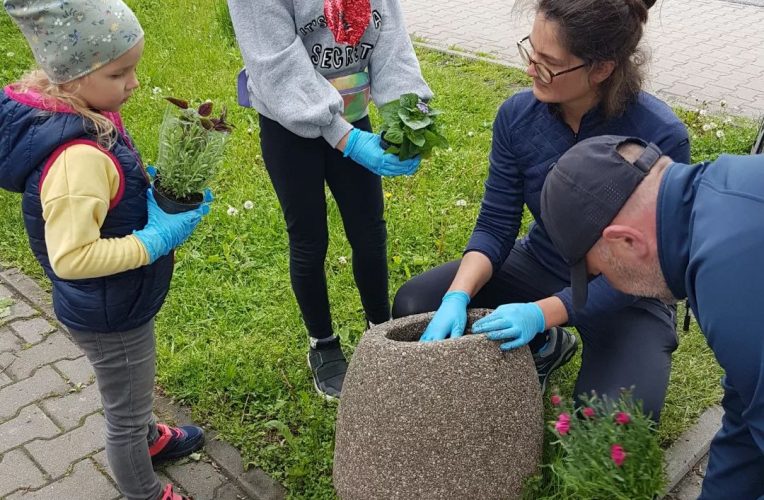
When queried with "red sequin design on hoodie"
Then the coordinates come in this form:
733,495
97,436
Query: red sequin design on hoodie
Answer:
347,19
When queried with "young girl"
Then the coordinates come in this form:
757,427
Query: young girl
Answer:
92,222
584,59
312,67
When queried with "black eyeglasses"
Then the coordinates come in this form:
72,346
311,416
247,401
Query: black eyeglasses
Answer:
545,74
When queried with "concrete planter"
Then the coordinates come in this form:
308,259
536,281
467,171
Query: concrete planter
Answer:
451,419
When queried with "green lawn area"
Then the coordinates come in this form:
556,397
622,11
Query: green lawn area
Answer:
230,339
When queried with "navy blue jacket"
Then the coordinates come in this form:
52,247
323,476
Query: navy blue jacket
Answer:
710,228
29,135
528,137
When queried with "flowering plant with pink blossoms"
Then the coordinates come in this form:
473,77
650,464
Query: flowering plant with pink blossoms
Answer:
600,449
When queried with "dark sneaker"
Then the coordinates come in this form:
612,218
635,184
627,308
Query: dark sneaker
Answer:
560,347
328,366
169,494
176,442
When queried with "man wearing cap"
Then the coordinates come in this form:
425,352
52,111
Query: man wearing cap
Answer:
654,228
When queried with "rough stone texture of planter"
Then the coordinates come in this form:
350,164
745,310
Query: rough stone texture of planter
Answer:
440,420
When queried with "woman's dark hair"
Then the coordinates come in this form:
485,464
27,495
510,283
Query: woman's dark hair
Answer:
604,30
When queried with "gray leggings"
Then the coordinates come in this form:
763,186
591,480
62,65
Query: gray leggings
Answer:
124,364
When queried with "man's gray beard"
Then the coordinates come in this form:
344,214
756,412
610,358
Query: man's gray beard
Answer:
643,281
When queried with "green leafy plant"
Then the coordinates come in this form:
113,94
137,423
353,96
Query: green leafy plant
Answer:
191,146
409,127
602,449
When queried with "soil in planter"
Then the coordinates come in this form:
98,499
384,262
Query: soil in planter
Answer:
171,205
192,199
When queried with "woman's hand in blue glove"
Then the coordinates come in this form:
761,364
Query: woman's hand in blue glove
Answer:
164,231
450,318
364,148
518,323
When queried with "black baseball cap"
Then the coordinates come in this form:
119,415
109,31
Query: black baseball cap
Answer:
583,193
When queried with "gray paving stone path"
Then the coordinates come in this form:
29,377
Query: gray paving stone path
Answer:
51,421
700,50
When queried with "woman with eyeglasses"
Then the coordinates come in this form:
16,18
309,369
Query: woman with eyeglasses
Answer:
585,62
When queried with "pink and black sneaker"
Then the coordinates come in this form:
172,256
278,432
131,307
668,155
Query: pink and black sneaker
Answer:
176,442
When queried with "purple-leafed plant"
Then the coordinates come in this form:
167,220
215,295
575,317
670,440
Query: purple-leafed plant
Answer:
191,143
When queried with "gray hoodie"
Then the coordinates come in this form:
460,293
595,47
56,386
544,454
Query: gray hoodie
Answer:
290,55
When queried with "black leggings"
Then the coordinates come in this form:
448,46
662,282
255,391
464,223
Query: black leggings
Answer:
632,346
298,168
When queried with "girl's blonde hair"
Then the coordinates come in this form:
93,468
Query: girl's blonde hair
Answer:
51,93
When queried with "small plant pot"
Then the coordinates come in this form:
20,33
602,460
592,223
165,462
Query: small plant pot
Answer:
171,205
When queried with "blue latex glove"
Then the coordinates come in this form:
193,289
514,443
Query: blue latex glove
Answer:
152,172
518,323
450,318
164,231
363,148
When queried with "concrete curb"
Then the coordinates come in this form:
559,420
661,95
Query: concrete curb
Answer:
226,459
691,446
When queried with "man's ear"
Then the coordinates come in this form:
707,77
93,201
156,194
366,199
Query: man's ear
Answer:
626,240
600,71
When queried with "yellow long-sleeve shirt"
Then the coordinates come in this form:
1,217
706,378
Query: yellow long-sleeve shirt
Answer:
76,194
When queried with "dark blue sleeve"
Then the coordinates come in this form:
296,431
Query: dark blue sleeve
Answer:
502,208
601,298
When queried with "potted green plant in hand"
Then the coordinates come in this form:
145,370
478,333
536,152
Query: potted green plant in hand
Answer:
191,146
409,127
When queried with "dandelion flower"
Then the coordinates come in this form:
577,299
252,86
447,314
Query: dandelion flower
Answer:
706,127
720,134
342,260
232,210
461,203
703,112
470,133
248,205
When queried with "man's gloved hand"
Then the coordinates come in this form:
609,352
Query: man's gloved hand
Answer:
518,323
363,148
164,231
450,318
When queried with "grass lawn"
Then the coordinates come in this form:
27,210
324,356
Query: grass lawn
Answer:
230,339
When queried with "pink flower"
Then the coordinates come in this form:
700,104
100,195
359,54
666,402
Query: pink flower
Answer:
556,400
588,412
563,424
617,454
622,418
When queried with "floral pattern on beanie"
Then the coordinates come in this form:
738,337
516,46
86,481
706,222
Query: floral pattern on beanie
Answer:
71,38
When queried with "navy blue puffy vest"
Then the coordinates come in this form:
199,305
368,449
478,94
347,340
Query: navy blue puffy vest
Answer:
29,136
